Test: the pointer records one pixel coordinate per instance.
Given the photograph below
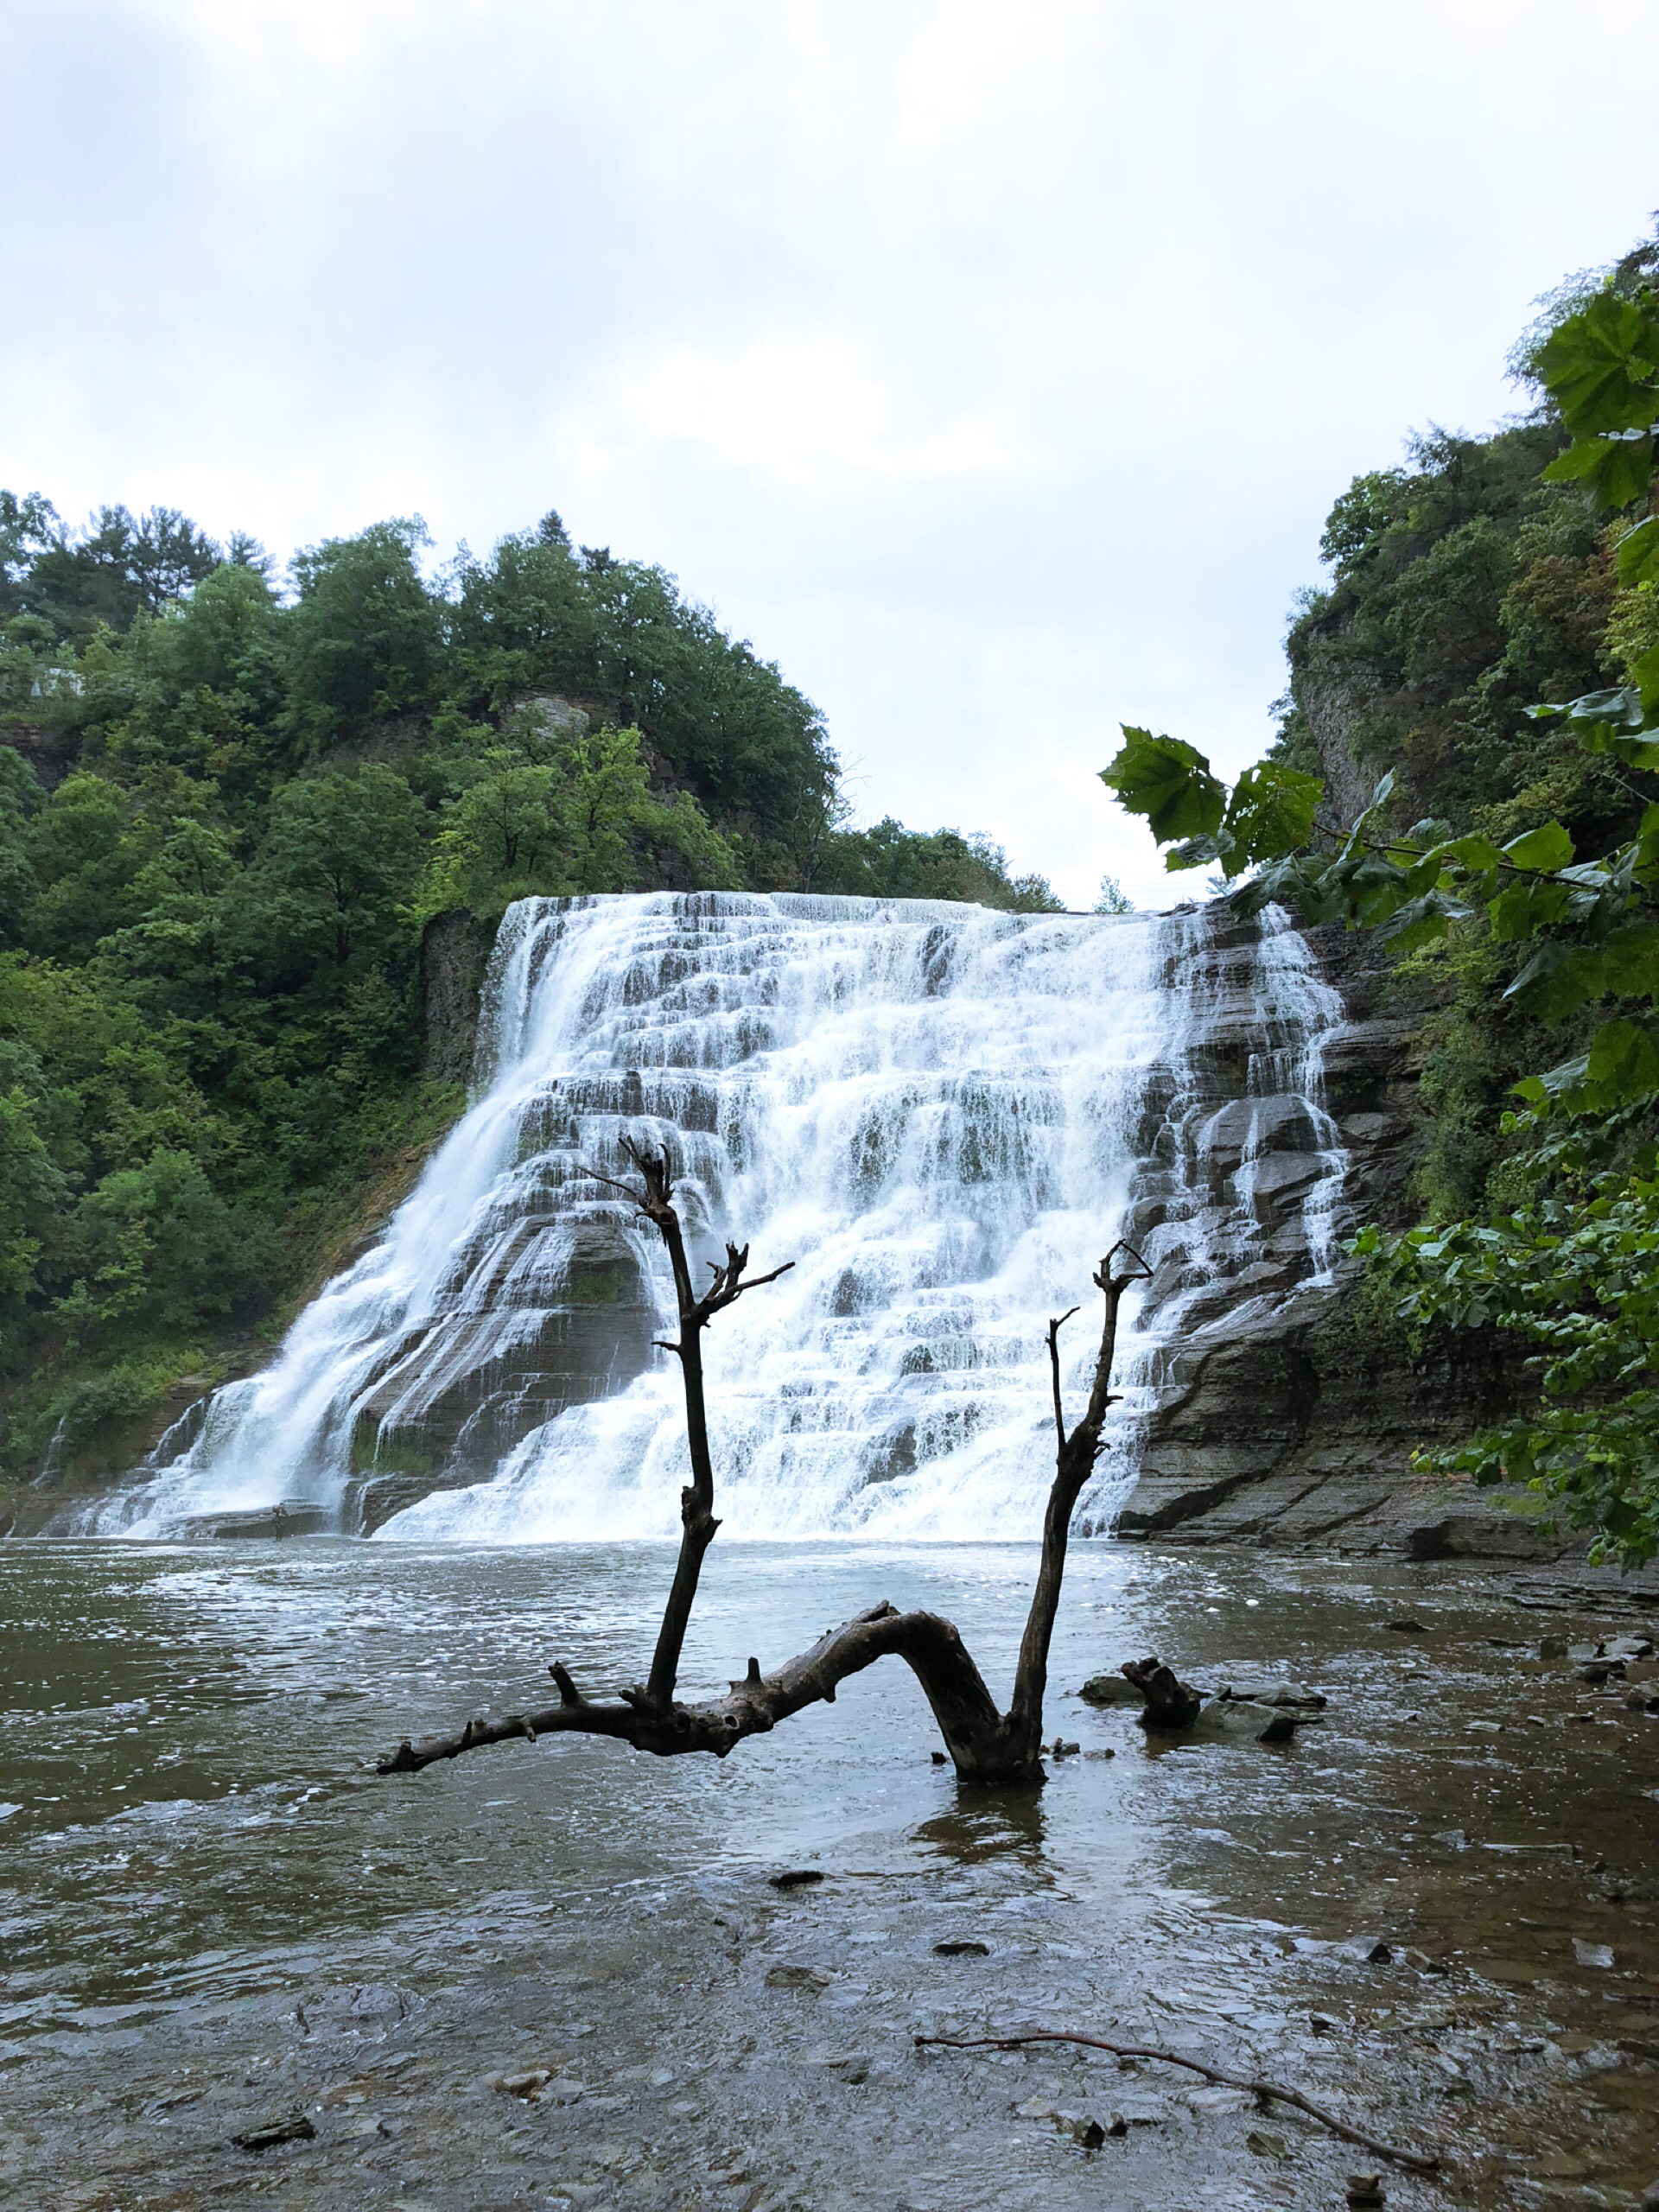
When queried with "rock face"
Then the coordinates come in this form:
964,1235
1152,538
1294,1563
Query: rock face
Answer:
1288,1421
1333,715
454,954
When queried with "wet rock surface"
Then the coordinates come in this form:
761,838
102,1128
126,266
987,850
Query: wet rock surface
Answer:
1286,1419
562,1976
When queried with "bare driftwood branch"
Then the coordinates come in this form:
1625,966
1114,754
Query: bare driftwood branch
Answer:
1171,1704
1074,1462
697,1522
1415,2162
986,1745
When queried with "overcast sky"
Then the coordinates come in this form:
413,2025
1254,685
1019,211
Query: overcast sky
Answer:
990,367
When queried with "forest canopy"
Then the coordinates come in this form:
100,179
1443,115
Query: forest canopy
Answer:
233,804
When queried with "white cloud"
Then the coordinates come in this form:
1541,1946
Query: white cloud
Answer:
991,368
809,412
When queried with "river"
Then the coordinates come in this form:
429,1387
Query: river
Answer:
216,1916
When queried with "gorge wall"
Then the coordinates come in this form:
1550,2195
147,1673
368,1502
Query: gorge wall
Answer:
1297,1424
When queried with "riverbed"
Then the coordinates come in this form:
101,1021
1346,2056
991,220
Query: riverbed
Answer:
216,1918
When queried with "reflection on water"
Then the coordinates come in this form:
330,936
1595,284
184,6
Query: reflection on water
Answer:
984,1825
199,1871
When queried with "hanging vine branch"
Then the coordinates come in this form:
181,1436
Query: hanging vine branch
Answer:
986,1745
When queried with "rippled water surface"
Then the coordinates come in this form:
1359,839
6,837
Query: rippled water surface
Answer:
214,1914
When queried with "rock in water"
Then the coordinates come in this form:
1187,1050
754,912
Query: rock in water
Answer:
1109,1689
1172,1706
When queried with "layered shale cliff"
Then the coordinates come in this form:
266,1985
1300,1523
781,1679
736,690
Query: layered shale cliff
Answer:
1295,1422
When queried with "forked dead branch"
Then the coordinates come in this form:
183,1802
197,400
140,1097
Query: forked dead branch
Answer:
987,1745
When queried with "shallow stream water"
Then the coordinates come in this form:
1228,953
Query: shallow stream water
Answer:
213,1915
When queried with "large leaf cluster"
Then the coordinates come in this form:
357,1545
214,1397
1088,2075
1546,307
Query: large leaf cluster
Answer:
1575,1273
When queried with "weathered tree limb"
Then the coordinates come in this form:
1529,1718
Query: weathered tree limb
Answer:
932,1646
985,1745
1171,1704
1074,1462
697,1522
1415,2162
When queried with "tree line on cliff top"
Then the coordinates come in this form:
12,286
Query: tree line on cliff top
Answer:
231,804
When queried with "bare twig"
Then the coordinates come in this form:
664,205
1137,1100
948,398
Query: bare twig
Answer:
697,1522
1074,1462
1054,1328
1415,2162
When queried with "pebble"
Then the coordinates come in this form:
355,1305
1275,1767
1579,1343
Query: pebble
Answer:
296,2128
797,1978
851,2065
1218,2100
524,2084
1264,1693
1083,2127
1144,2112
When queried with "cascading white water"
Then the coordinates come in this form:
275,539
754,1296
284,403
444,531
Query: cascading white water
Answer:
943,1115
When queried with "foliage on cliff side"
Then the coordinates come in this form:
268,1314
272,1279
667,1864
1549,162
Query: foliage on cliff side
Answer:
1492,635
227,811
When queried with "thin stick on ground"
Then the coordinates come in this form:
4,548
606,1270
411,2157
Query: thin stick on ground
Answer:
986,1745
1414,2162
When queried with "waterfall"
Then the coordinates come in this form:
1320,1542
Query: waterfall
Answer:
943,1115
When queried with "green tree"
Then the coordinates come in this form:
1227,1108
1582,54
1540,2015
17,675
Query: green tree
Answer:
21,800
365,637
1113,899
29,526
325,895
120,567
889,862
32,1191
556,809
156,1249
81,857
523,618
